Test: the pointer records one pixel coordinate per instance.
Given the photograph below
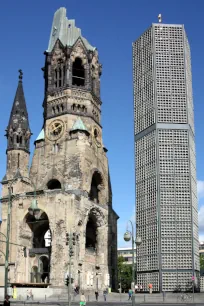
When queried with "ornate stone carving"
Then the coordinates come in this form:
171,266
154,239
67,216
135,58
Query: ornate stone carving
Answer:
58,56
78,51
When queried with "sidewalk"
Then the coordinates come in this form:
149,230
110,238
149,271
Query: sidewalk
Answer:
140,298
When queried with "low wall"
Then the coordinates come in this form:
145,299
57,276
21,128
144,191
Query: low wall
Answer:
38,293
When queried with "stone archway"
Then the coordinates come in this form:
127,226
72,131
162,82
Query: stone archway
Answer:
95,220
38,228
39,246
43,268
96,188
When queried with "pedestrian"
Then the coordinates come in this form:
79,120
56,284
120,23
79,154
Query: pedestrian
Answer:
129,294
6,301
150,288
31,294
82,299
104,294
136,288
96,294
141,288
28,294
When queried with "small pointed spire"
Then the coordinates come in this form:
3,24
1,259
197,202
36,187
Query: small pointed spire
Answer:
20,74
18,131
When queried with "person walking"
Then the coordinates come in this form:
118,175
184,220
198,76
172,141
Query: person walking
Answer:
6,301
28,294
129,294
82,299
104,294
136,288
150,288
141,288
96,294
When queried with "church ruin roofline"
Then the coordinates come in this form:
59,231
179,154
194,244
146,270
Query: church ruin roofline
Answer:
66,31
79,126
41,136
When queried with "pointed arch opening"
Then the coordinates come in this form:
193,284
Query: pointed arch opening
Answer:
54,184
96,186
44,268
78,73
96,219
91,233
40,242
60,74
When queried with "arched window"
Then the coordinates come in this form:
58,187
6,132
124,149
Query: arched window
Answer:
78,73
38,227
59,75
54,184
91,234
95,187
44,268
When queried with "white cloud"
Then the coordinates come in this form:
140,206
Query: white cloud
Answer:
200,189
201,237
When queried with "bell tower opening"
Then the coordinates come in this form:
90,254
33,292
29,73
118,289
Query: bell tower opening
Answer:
60,74
91,234
96,184
78,73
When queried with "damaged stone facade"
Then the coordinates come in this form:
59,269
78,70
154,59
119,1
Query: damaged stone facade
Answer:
70,172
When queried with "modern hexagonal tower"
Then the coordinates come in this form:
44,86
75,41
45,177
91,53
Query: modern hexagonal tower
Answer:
166,188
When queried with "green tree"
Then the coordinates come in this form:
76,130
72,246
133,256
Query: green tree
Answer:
202,261
124,274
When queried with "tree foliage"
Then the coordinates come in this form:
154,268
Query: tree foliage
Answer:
202,261
124,274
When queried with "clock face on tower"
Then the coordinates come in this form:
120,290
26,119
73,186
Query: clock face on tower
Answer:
55,130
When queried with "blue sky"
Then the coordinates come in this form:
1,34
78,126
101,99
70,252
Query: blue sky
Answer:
111,26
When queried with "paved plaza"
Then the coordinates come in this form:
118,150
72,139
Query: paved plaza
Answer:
116,299
112,303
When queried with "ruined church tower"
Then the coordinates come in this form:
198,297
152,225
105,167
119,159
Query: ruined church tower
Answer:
69,172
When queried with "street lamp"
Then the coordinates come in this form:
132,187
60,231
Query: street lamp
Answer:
34,210
127,237
138,241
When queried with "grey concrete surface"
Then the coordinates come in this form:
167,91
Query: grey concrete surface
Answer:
114,299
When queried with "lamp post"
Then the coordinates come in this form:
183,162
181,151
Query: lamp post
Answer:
10,183
138,241
120,283
127,237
